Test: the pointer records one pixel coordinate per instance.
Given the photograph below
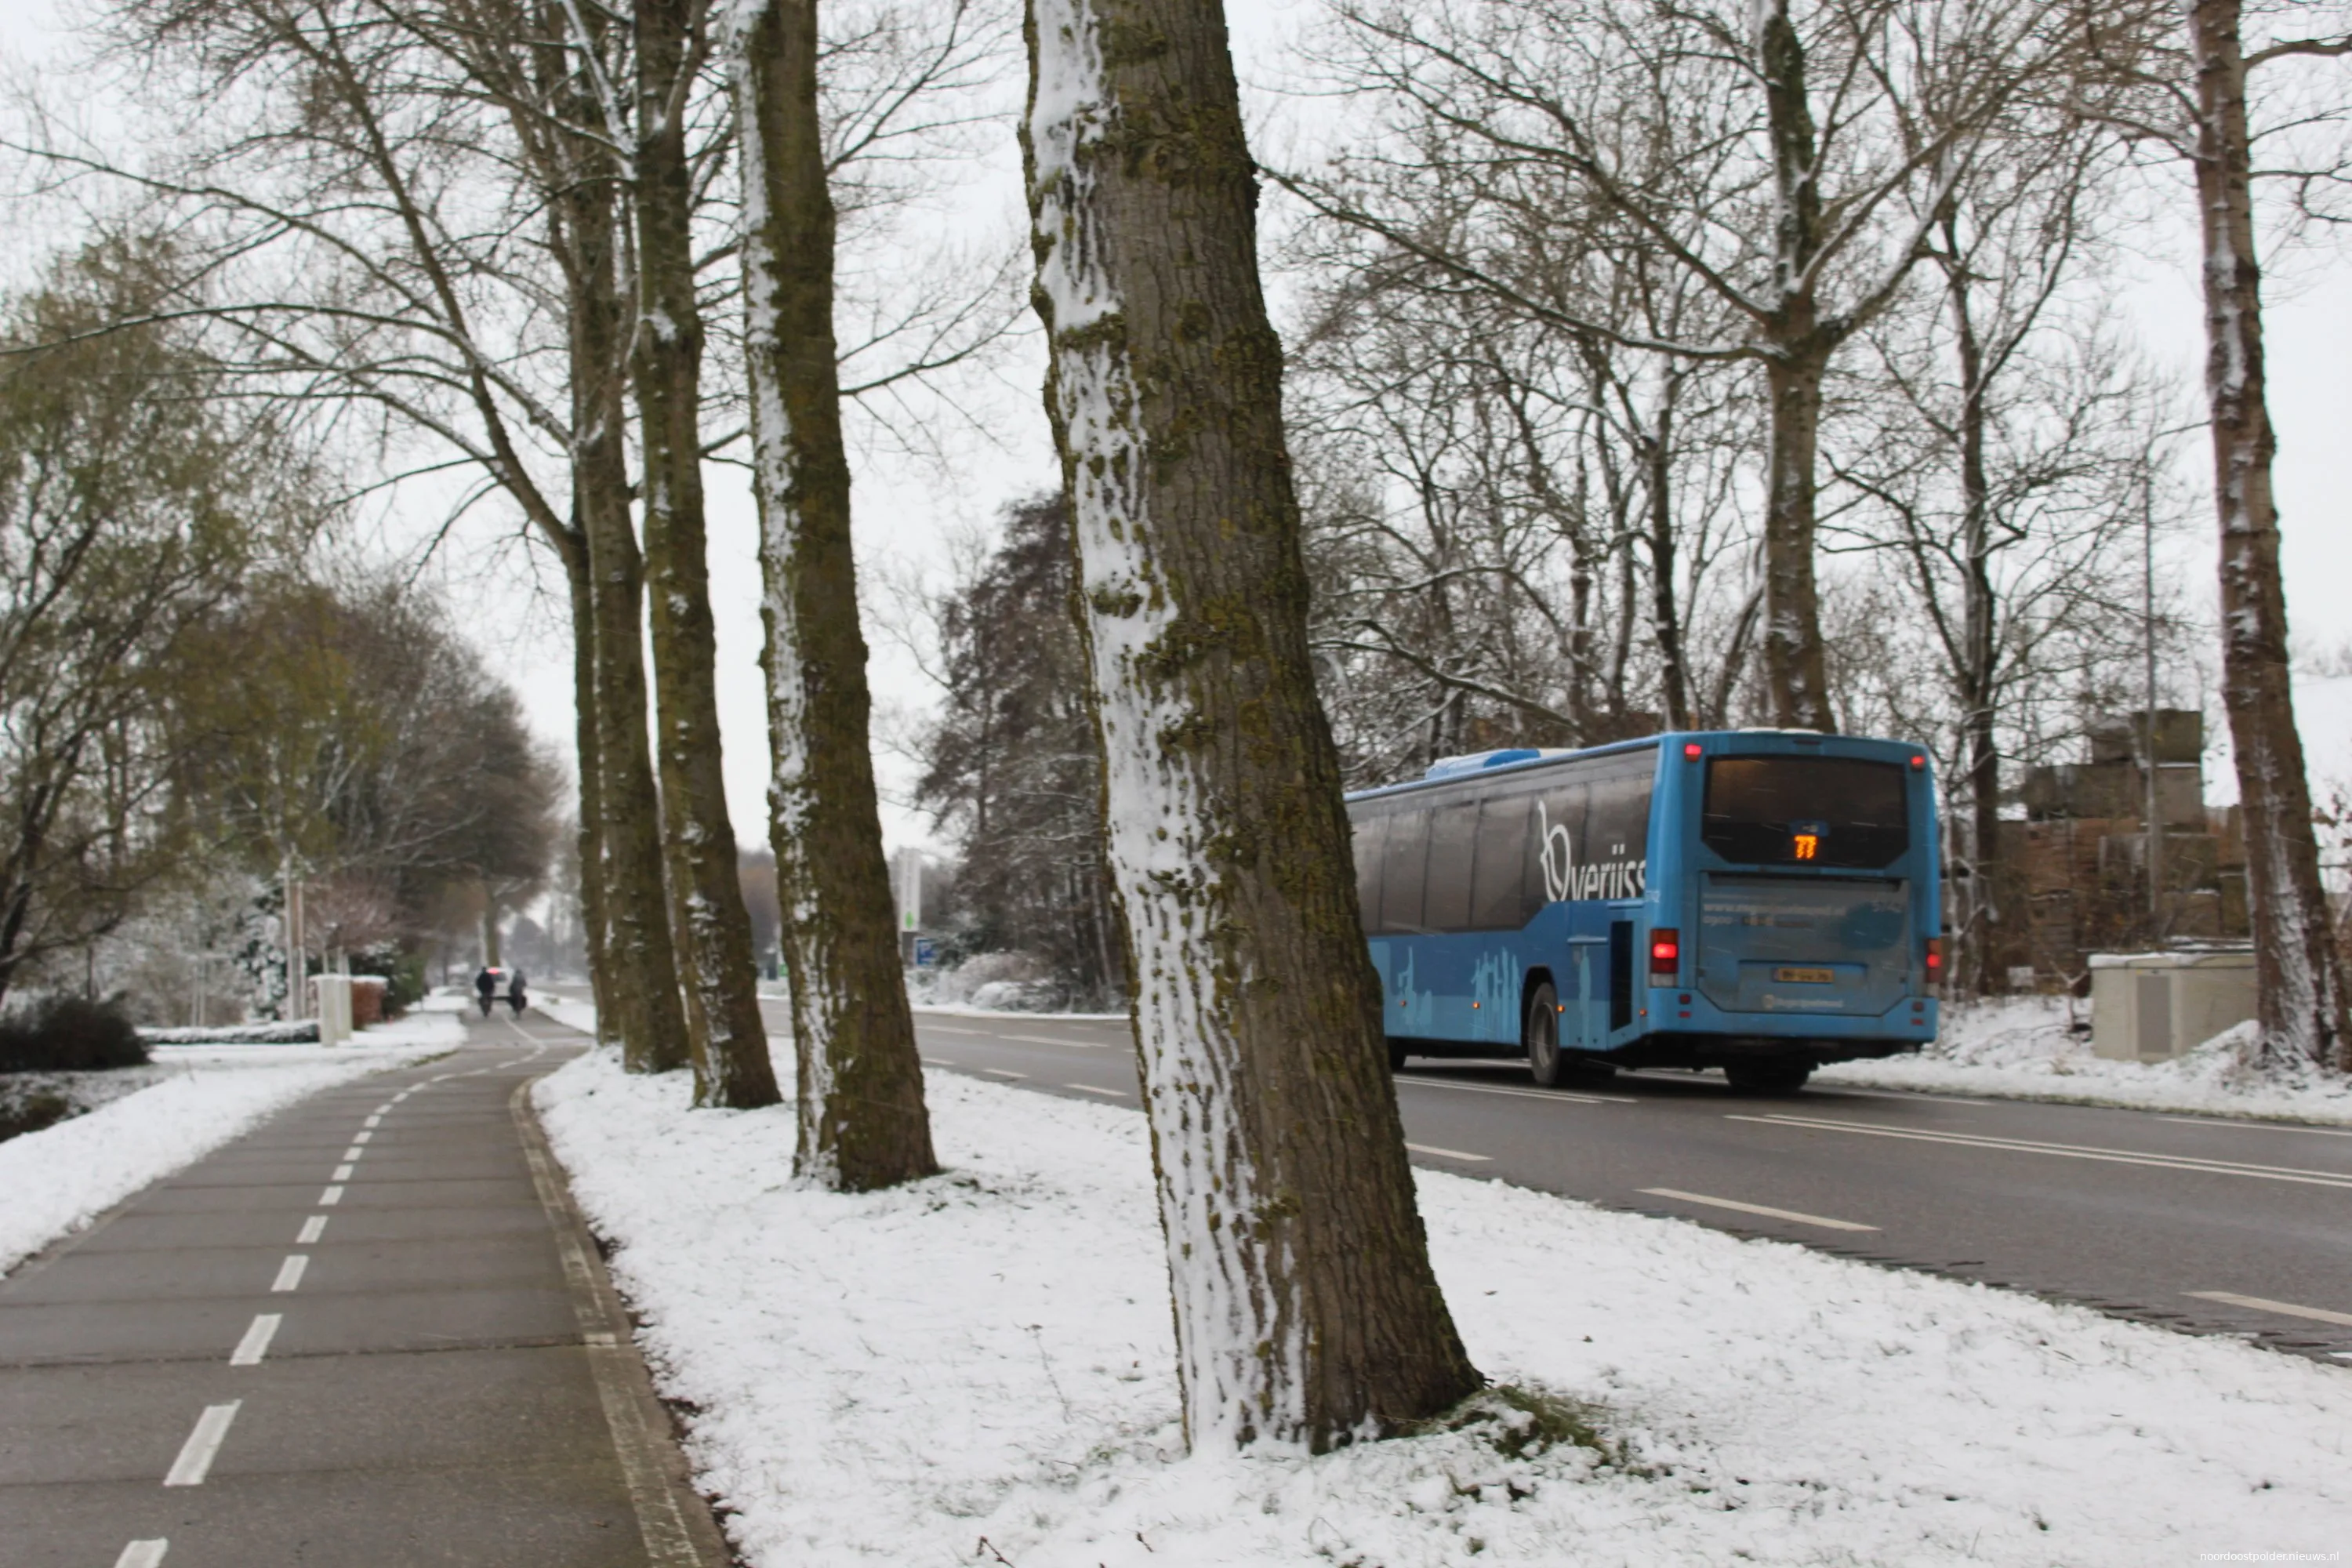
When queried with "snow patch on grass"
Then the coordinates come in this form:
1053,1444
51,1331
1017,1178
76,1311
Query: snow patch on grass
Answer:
2022,1047
893,1378
194,1099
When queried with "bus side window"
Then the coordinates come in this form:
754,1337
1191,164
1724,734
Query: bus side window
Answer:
1369,834
1402,861
1498,894
1452,834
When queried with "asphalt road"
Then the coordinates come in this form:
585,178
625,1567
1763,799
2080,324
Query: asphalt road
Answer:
2214,1226
372,1333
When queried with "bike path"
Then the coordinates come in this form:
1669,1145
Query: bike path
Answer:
372,1333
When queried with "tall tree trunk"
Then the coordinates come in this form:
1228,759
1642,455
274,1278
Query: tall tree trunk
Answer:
1987,957
1665,615
591,838
1796,672
641,983
862,1118
2301,985
710,926
1306,1308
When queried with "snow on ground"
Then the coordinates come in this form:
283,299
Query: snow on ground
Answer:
194,1099
978,1369
2021,1047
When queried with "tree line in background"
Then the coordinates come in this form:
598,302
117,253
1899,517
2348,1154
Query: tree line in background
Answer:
208,734
1667,368
1624,322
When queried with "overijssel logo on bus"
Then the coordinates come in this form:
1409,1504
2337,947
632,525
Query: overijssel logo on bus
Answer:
1564,879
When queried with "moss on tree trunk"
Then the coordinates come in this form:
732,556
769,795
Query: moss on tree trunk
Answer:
710,926
862,1118
1306,1308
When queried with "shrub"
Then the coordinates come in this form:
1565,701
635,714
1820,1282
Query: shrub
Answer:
69,1034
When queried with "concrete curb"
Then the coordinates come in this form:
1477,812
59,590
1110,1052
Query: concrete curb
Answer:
673,1518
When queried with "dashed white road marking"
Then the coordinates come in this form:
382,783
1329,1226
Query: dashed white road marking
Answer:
1090,1089
363,1137
1004,1072
1049,1040
376,1116
144,1554
312,1229
1789,1214
289,1273
256,1343
355,1150
946,1029
196,1460
1448,1153
2245,1126
2066,1151
940,1061
330,1197
2283,1309
342,1173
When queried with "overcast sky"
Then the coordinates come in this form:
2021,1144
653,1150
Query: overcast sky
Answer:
906,511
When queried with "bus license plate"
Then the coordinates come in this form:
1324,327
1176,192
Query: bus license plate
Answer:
1805,976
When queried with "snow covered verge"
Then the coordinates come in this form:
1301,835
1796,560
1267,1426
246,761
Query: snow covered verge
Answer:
191,1102
978,1369
2021,1047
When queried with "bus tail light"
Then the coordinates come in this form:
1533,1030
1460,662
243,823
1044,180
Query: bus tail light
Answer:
1935,960
1666,953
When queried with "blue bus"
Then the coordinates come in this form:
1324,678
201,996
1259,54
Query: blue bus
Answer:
1759,900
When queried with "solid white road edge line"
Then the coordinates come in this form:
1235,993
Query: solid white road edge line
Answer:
2284,1308
1044,1040
2249,1126
1834,1088
1791,1215
940,1061
2066,1151
289,1273
144,1554
330,1197
256,1343
196,1460
1551,1094
312,1229
1090,1089
1449,1154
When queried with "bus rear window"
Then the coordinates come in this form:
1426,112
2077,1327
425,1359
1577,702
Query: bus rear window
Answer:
1805,811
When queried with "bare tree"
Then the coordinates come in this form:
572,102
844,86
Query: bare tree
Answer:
1306,1308
1765,151
861,1120
2196,104
134,502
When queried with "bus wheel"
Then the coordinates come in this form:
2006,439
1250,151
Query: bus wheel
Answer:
1781,1076
1545,1063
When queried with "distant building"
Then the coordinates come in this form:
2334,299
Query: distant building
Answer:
2079,859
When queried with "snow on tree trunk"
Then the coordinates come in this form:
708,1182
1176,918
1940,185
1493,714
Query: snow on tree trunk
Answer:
1305,1309
640,982
2302,991
710,926
588,839
1796,672
862,1118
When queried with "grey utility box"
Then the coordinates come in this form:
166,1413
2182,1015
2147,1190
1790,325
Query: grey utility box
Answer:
2154,1006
